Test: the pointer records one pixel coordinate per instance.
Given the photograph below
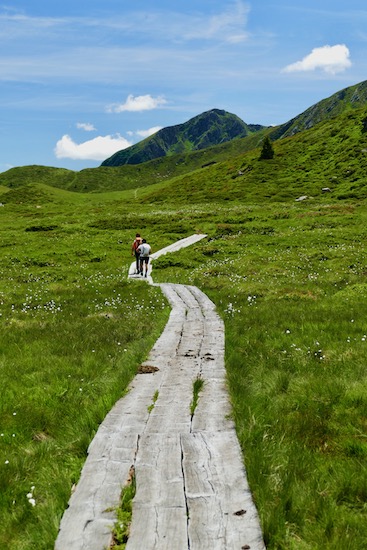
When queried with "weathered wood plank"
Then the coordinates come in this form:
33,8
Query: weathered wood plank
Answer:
90,516
213,412
187,241
158,470
158,528
159,507
221,512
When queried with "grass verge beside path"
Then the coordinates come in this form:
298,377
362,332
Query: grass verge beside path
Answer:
62,369
73,331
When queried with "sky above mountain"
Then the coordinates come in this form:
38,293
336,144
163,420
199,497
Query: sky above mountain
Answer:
82,80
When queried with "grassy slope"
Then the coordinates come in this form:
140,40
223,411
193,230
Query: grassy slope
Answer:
334,155
126,177
348,99
289,280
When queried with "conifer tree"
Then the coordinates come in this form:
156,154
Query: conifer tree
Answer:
267,151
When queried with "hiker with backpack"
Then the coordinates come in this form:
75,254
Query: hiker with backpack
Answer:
144,250
135,251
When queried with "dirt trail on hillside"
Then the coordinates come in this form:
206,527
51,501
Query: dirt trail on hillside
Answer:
191,486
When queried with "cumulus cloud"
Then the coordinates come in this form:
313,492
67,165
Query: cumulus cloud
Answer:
137,103
146,133
98,148
331,59
87,126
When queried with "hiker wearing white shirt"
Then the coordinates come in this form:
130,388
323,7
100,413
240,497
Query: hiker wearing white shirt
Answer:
145,250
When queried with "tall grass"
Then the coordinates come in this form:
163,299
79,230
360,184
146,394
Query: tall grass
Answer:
299,393
60,376
197,387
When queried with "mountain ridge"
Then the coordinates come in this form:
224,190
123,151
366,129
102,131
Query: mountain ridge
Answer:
332,155
200,132
348,98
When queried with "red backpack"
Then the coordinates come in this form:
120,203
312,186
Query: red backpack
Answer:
137,243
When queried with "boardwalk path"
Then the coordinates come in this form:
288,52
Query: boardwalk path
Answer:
191,487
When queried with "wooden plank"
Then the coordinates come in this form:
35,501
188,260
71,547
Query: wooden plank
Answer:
159,507
182,243
213,411
221,512
158,471
88,521
158,528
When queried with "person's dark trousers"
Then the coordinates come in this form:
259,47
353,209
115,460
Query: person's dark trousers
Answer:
137,258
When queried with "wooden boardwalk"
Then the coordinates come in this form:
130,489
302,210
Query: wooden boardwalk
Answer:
191,487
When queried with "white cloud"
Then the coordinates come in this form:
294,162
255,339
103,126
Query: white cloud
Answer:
149,132
87,126
331,59
98,148
138,103
226,26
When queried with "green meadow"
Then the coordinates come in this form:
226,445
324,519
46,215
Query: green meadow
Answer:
289,279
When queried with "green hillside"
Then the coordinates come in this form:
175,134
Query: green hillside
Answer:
331,155
128,176
311,159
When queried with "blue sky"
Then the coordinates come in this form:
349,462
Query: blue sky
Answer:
81,80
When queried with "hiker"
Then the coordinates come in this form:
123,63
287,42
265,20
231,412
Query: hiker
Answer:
135,251
144,250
